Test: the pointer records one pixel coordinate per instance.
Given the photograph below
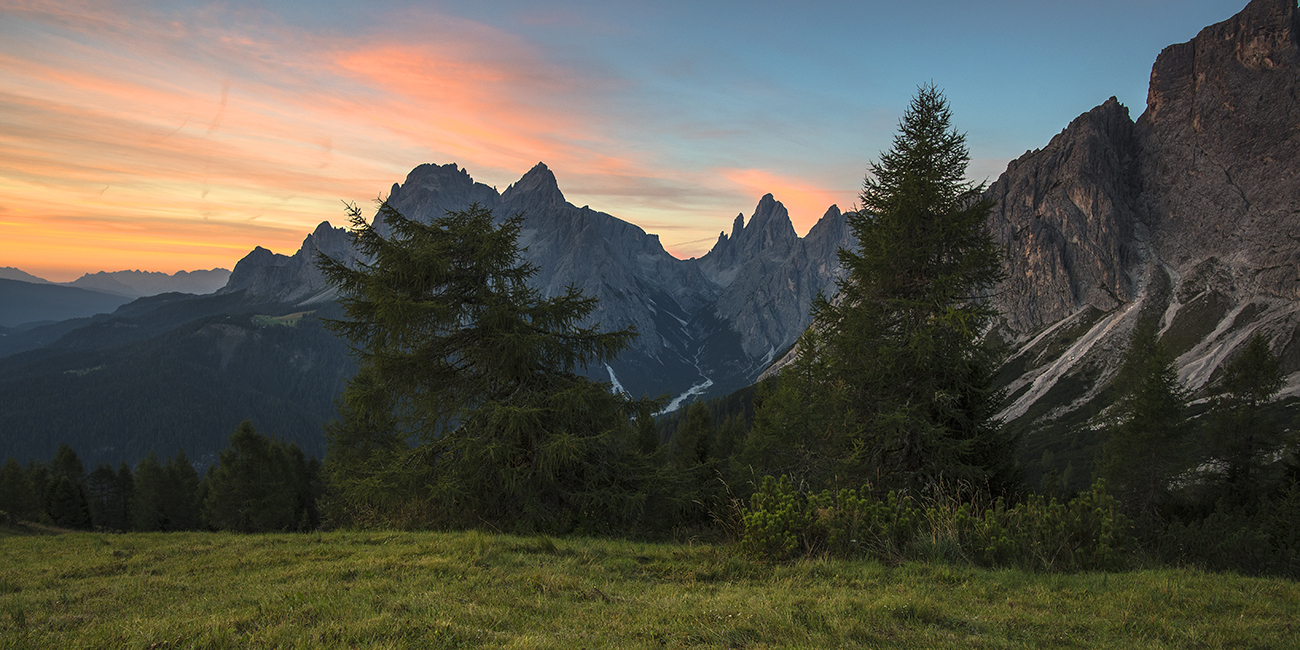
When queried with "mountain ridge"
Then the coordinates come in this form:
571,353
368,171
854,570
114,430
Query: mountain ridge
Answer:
732,297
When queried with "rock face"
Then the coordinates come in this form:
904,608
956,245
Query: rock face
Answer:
1066,216
291,279
706,326
1221,149
1188,214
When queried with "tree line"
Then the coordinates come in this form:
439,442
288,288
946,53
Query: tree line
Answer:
259,484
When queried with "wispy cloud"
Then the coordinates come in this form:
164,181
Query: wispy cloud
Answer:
170,123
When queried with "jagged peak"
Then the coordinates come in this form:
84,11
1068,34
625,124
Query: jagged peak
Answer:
324,228
832,221
1265,35
433,170
538,180
771,217
738,225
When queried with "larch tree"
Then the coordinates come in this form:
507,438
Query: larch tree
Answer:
1147,444
902,396
1242,438
468,406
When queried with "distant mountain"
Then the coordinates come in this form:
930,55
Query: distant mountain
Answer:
706,326
35,300
23,303
11,273
137,284
175,377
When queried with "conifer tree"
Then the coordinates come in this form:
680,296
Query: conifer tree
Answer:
690,444
39,475
122,509
1147,444
68,501
150,482
103,488
1242,438
17,497
67,504
467,406
259,485
801,421
905,398
180,497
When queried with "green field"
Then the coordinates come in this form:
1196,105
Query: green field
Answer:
452,590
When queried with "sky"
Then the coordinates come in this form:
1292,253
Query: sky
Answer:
168,136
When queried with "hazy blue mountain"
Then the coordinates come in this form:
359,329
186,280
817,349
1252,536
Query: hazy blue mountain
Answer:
136,284
24,302
11,273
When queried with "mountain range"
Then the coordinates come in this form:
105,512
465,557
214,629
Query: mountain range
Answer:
1187,214
27,300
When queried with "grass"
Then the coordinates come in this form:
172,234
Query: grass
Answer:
288,320
462,590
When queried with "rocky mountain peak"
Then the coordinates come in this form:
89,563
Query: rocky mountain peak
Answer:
1262,37
1222,128
769,229
1186,215
539,185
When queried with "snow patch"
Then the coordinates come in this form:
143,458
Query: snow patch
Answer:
613,380
697,389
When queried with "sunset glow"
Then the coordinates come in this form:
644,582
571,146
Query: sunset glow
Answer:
180,135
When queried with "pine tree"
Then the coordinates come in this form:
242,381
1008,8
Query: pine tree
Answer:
801,421
67,504
17,496
1146,447
150,482
690,444
39,475
255,486
122,509
66,463
467,406
1241,437
68,500
905,398
102,486
180,504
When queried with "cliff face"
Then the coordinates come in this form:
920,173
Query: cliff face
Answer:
1066,216
1188,214
1221,149
291,278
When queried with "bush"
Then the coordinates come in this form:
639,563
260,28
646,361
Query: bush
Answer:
783,523
1264,540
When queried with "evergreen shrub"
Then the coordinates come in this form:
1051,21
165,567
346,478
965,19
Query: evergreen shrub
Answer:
783,522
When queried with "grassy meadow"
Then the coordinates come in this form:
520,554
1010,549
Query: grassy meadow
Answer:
473,589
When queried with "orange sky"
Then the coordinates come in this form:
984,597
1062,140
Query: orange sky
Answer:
179,135
142,142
